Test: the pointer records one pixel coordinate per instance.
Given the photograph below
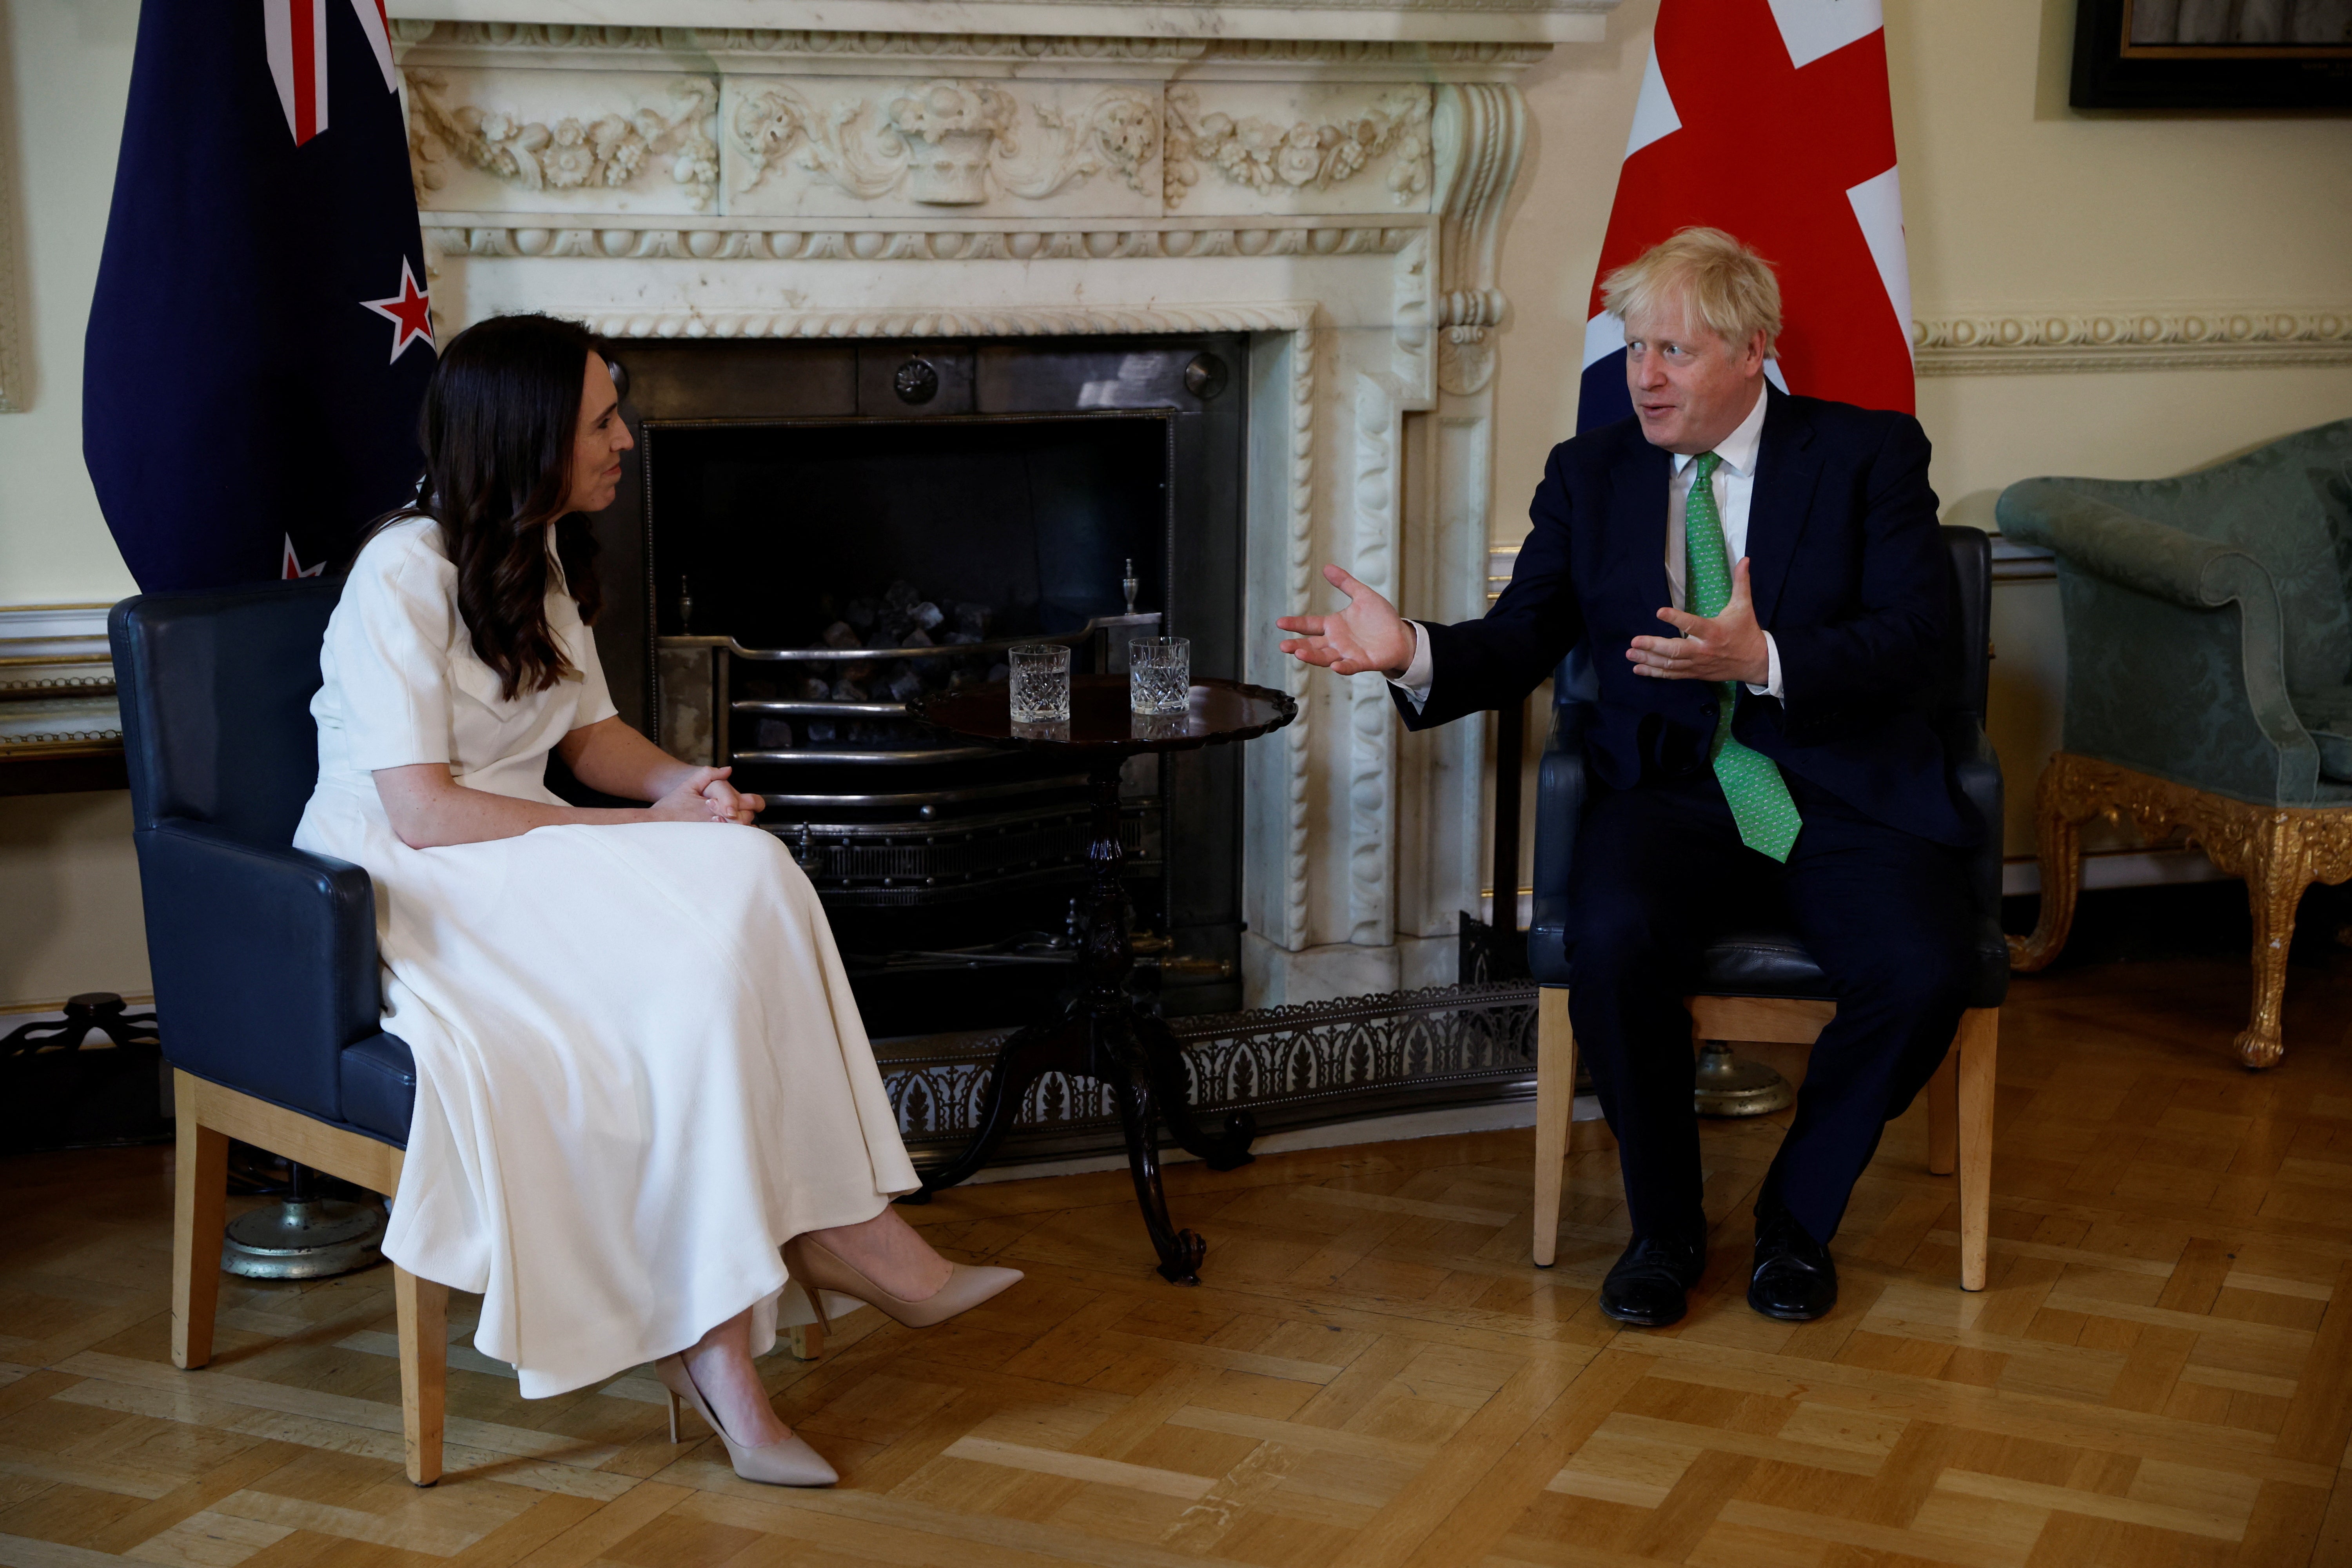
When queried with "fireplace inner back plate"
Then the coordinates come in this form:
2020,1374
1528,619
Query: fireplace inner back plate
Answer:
816,531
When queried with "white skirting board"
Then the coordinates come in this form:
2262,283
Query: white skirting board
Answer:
2119,868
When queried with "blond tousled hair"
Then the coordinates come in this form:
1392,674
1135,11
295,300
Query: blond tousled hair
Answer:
1728,286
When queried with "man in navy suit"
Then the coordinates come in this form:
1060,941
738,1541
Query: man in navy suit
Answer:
1767,601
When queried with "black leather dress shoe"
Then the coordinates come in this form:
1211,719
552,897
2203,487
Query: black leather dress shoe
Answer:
1646,1287
1795,1280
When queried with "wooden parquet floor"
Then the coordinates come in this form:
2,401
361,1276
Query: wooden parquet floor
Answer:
1373,1377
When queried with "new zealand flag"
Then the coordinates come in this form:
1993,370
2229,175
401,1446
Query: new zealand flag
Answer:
260,338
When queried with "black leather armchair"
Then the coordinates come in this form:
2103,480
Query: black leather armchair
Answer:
1760,983
263,957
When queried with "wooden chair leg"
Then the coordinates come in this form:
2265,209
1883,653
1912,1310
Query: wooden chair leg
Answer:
424,1311
1979,1050
1944,1114
2060,810
199,1215
1555,1103
806,1341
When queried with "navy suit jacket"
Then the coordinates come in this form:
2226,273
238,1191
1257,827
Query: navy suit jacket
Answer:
1849,573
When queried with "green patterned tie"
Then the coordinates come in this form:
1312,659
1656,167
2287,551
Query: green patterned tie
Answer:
1759,799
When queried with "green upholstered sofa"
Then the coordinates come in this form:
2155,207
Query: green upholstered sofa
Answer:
2208,680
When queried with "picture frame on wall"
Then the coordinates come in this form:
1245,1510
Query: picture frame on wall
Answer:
2212,54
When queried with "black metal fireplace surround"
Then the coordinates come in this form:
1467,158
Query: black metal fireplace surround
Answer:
809,534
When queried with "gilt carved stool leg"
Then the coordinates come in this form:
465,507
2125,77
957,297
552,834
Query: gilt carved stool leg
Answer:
2277,871
2279,850
2067,798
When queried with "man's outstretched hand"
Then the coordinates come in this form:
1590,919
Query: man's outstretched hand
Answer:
1729,648
1368,635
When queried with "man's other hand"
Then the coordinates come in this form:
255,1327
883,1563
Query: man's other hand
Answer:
1729,648
1368,635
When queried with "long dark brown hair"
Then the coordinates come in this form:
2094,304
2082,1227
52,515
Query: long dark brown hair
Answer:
501,413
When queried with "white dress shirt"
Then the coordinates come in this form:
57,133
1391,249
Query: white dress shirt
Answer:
1735,486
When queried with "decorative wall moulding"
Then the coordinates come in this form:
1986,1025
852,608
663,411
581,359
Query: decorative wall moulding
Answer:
1418,21
2159,338
499,236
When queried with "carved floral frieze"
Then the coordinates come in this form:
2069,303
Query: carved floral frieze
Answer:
834,145
582,153
944,144
1267,155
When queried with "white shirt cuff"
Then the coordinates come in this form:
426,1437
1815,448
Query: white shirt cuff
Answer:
1772,687
1414,682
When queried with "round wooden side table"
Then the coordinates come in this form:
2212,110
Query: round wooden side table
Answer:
1100,1033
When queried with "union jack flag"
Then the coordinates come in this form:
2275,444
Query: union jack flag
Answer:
1771,119
297,35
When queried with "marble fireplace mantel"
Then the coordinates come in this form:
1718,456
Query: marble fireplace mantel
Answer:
924,168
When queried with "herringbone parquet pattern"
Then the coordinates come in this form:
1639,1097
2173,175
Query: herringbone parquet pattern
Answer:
1373,1375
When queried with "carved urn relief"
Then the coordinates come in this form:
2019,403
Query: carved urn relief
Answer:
996,170
949,129
943,143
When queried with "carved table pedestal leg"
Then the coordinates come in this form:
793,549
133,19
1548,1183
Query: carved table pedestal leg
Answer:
1101,1034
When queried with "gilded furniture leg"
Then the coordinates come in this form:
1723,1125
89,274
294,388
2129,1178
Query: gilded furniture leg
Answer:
2277,871
2060,806
423,1307
1944,1114
1555,1103
199,1214
1978,1049
2279,850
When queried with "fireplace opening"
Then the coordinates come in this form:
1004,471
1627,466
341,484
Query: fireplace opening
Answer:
813,546
1011,525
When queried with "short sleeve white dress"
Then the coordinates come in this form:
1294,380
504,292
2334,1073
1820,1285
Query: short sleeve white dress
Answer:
639,1070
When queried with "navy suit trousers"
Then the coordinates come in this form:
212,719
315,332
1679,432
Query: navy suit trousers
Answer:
1658,872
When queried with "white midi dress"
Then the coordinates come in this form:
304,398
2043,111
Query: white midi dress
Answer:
639,1070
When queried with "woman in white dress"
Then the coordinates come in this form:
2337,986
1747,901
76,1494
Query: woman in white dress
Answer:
644,1098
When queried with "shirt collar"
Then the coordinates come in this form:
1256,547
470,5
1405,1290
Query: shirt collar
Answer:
1737,450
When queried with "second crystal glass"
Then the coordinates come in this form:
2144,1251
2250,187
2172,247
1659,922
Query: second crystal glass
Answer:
1160,675
1041,682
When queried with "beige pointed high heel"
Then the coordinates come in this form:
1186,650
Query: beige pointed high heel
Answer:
819,1268
791,1463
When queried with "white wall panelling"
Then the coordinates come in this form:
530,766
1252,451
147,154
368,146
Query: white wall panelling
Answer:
1340,202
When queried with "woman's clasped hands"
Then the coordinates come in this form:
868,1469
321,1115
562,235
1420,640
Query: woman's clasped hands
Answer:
703,794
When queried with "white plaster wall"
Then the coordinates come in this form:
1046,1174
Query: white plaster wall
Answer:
70,918
64,68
